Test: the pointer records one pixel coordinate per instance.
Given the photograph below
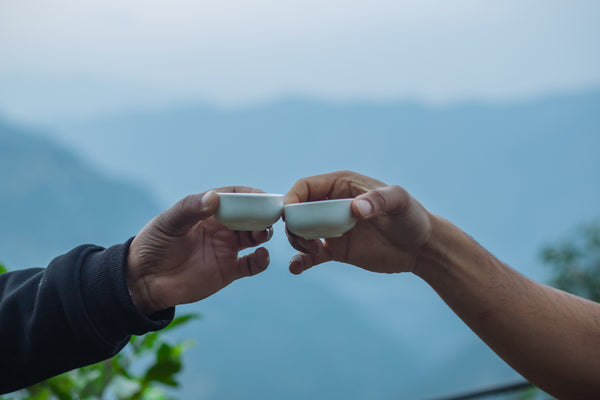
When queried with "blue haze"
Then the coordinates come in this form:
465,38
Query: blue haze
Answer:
515,176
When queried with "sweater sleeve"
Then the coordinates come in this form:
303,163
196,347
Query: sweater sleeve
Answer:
75,312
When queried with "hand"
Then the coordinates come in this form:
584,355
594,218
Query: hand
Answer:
391,230
184,255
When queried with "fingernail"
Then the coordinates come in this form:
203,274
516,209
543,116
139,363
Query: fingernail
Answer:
208,199
364,208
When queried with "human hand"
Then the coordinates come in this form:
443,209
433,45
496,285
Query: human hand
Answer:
392,227
184,255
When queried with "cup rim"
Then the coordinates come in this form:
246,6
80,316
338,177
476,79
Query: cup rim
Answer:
319,202
237,194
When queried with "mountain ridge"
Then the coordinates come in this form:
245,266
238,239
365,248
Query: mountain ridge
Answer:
51,199
514,176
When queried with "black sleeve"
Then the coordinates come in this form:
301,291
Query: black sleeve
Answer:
75,312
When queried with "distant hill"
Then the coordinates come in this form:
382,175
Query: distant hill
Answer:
52,200
483,166
513,175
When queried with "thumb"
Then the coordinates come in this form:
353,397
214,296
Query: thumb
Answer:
187,212
386,201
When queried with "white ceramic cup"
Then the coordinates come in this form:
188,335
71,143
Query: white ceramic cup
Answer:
320,219
249,211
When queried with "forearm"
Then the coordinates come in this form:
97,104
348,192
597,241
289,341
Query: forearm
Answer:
550,337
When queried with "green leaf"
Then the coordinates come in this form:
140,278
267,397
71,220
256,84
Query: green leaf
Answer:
148,341
182,320
154,393
43,394
120,364
2,269
95,378
125,388
61,386
168,363
576,262
35,392
168,352
163,372
164,352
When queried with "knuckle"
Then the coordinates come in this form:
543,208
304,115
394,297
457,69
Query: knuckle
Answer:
398,200
163,224
181,206
187,202
391,200
378,200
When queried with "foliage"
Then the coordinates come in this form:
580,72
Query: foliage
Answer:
576,265
576,262
532,393
157,360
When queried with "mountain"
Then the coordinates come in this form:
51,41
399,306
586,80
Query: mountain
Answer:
494,156
272,335
515,176
51,200
519,168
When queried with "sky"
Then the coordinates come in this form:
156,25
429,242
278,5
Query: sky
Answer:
72,58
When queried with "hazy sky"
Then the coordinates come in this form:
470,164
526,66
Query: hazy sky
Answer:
233,51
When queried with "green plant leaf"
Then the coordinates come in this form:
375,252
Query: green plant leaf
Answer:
95,378
182,320
149,340
61,386
164,352
2,269
168,363
155,394
43,394
125,388
576,262
163,372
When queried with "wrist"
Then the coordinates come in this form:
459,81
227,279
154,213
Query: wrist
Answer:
136,291
451,261
138,284
440,251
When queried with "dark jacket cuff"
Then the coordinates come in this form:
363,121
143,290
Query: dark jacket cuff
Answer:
107,300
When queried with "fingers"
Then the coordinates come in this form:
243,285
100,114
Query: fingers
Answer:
252,264
318,187
304,245
334,185
303,261
310,189
311,253
386,201
248,239
187,212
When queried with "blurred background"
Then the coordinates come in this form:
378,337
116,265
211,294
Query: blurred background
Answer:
487,112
